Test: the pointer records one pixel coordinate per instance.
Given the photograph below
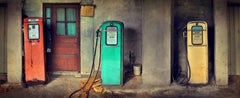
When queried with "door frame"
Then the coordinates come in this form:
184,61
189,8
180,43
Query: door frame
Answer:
53,29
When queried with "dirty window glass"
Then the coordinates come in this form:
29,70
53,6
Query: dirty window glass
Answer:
197,35
71,29
60,14
71,14
60,28
48,22
111,36
48,13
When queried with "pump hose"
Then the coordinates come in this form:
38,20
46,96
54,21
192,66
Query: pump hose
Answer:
182,79
93,65
95,75
188,65
186,79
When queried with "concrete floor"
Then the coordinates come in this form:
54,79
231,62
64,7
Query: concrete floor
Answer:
63,86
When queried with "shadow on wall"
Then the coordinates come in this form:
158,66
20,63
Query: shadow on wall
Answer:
130,46
130,51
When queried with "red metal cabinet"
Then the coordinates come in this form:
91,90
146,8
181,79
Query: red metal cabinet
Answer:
34,50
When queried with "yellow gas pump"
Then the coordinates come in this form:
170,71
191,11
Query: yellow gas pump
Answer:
197,52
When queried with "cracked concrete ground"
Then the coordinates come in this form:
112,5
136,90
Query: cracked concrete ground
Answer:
63,86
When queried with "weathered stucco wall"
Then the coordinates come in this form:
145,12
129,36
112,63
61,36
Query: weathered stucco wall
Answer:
221,42
156,42
14,45
87,38
33,8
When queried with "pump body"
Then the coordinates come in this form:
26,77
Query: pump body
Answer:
34,50
112,53
197,51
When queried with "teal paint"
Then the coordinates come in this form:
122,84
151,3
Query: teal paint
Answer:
112,53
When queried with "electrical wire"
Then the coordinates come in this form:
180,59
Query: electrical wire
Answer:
93,65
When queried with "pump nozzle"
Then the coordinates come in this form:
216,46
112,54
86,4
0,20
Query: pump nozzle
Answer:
97,33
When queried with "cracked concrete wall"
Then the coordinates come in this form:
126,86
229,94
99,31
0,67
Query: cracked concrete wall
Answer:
221,42
87,44
156,42
14,41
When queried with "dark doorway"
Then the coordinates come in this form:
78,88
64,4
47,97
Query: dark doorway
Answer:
185,11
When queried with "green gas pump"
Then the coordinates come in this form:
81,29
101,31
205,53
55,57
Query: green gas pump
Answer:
112,53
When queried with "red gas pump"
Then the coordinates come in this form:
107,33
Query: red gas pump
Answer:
34,50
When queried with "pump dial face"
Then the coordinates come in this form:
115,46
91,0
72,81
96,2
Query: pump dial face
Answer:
111,36
33,31
197,35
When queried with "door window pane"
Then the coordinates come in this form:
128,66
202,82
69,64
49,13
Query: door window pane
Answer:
60,28
48,23
71,29
71,14
48,13
60,14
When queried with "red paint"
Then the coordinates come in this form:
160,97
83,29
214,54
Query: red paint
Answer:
34,54
65,54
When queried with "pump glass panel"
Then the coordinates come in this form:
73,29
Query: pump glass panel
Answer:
197,35
111,36
33,31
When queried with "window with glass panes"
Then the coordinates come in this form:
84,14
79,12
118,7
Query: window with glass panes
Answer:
47,28
66,21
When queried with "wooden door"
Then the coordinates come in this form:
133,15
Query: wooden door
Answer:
64,24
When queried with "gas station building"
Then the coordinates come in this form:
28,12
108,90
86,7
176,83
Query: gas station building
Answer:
151,32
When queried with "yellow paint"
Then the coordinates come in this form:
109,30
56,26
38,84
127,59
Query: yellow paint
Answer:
198,54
